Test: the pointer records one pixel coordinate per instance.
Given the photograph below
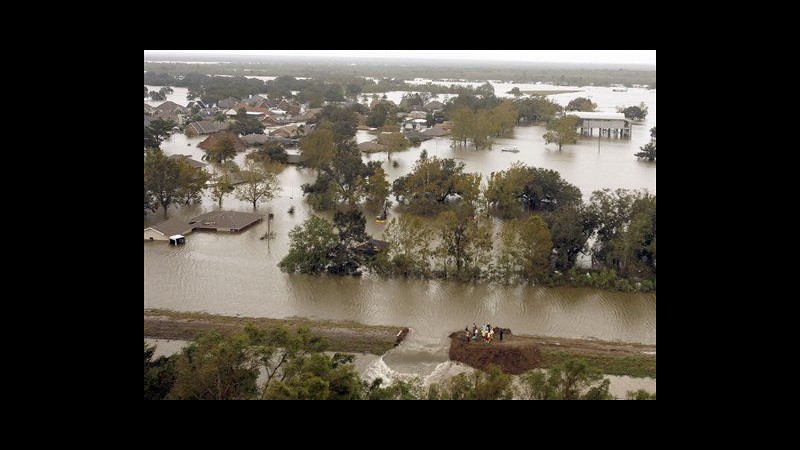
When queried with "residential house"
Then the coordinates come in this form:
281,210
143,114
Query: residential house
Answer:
162,231
207,127
227,103
215,138
188,159
434,105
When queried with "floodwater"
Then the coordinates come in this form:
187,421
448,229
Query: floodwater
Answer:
237,274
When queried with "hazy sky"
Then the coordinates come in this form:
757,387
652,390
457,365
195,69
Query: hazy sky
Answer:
569,56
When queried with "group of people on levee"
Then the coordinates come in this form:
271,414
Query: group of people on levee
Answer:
486,331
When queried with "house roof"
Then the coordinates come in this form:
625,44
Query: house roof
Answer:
208,126
188,158
212,140
228,102
598,115
434,104
371,146
170,106
148,107
170,227
225,219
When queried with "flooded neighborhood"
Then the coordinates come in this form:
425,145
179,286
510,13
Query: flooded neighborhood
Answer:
386,232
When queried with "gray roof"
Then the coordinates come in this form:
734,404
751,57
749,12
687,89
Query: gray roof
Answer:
254,139
209,126
146,120
434,104
148,107
229,102
170,106
225,219
171,226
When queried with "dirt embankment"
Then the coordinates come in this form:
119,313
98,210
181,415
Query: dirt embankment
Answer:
341,336
519,354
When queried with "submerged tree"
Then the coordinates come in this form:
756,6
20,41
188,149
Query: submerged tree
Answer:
311,247
648,151
563,130
525,250
222,185
581,104
259,182
172,181
223,149
410,247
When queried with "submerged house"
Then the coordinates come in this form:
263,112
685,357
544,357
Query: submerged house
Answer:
165,230
207,127
607,123
232,221
188,159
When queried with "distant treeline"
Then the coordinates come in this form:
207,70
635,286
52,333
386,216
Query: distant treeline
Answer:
568,76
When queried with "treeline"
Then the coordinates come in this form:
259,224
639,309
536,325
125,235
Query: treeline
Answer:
478,115
561,75
227,367
546,225
210,89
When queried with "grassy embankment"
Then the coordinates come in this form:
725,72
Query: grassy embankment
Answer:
519,354
341,336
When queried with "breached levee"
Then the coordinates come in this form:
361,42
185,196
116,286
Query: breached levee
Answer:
512,359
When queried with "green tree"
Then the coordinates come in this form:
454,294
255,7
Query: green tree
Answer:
172,181
318,148
581,104
221,187
641,394
394,142
159,375
150,204
648,151
259,182
525,251
574,380
479,385
145,92
157,132
215,368
425,189
535,188
563,130
311,246
635,112
351,227
653,133
377,190
157,96
398,390
222,150
536,108
463,123
465,244
515,92
410,242
570,229
165,90
625,221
